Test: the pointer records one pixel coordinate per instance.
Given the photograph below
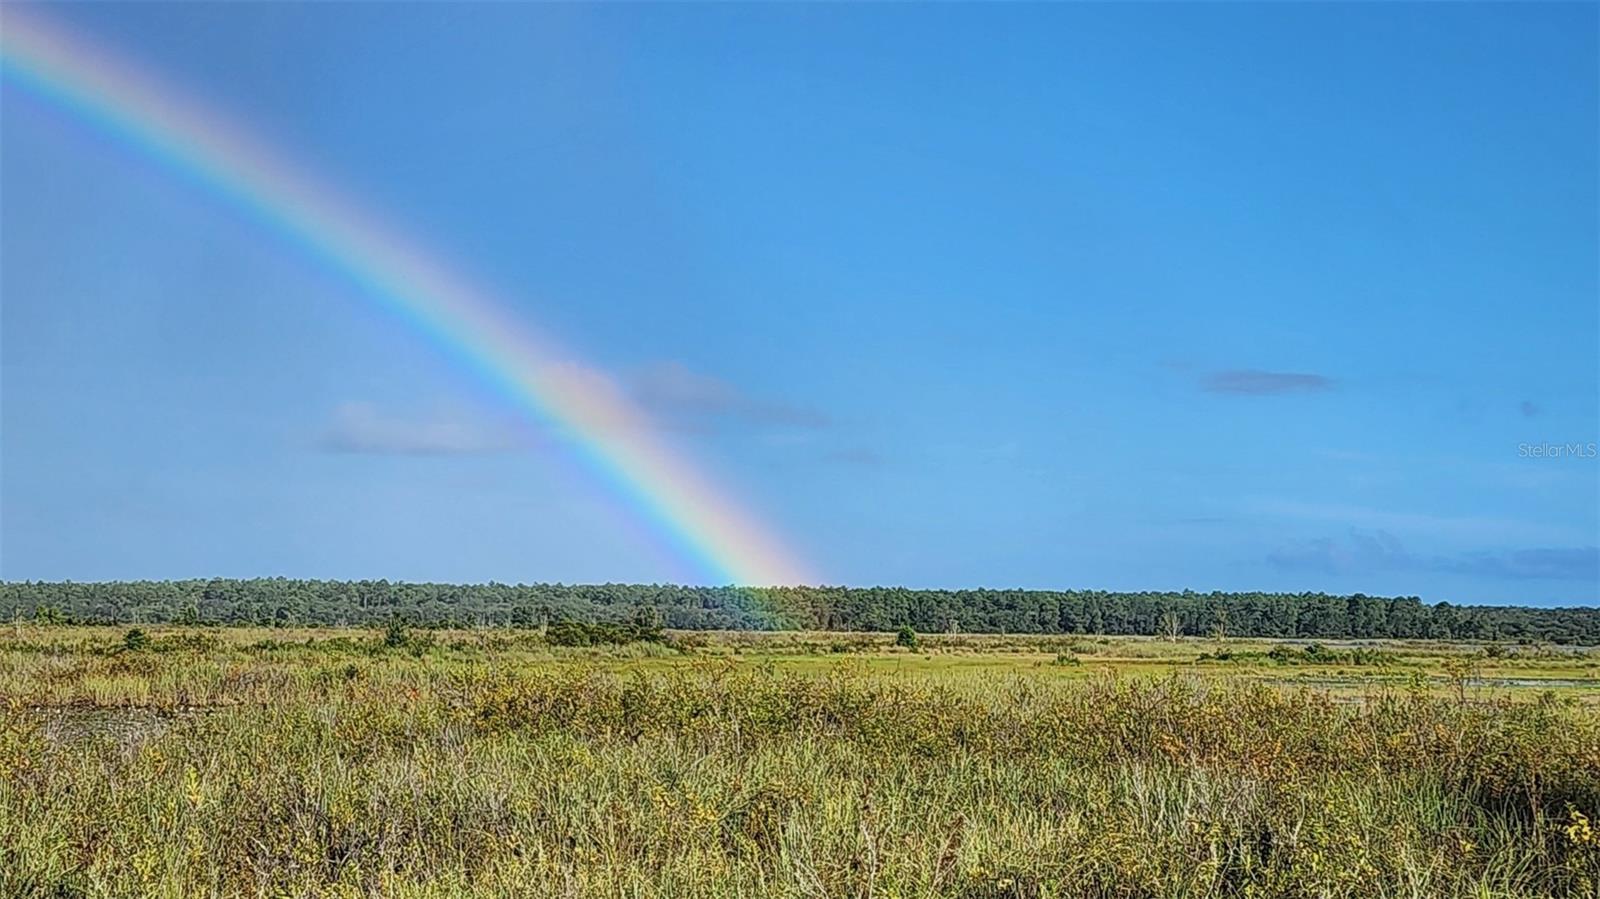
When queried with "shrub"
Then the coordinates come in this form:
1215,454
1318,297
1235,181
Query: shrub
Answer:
688,644
602,633
395,636
906,638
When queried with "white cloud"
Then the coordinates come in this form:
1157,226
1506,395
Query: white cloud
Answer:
359,427
677,395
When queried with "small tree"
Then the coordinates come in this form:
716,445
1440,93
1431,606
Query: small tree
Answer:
1220,631
395,636
1460,670
646,623
1172,625
906,637
135,640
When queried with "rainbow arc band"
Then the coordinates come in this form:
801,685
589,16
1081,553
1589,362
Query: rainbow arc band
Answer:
612,437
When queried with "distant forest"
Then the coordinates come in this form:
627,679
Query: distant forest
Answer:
284,602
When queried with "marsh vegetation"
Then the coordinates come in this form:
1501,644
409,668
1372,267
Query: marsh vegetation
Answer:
232,762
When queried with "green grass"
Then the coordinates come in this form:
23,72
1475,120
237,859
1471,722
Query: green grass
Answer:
328,763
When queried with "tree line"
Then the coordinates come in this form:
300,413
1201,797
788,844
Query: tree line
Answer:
286,602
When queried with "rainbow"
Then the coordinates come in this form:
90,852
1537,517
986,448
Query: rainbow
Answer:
610,435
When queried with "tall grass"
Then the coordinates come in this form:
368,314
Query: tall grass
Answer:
211,770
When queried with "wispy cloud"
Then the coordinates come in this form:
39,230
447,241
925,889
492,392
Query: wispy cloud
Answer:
359,427
1357,553
1361,552
858,455
1465,528
1254,382
671,394
1580,563
679,396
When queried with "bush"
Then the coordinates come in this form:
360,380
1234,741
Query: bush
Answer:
135,640
689,644
602,633
906,638
398,636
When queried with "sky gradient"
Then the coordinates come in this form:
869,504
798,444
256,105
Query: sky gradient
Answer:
1232,297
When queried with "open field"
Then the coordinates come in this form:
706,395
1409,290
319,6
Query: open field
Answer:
277,762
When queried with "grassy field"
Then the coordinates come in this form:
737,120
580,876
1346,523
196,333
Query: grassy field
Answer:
487,763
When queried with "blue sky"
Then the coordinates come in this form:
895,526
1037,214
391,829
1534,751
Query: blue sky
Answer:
1214,296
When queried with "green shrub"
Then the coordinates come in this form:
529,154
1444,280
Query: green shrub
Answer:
602,633
395,636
